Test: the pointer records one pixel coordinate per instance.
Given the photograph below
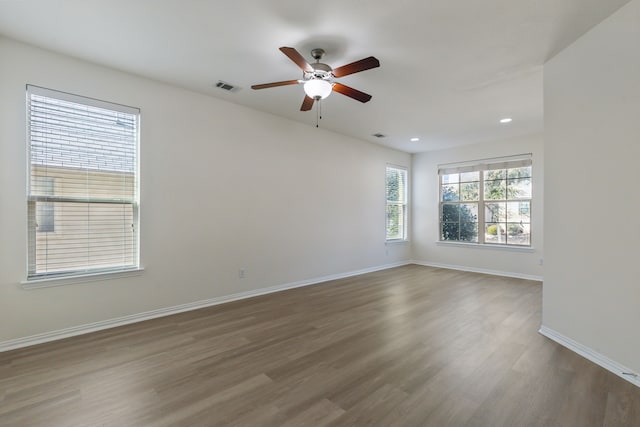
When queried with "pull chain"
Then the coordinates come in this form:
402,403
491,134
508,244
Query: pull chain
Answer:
318,112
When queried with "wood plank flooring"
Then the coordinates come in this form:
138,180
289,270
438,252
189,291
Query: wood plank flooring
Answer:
410,346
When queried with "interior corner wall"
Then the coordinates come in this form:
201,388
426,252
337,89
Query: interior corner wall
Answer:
223,187
592,145
495,260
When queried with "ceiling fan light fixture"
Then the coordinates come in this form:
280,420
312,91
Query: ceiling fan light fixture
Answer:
317,88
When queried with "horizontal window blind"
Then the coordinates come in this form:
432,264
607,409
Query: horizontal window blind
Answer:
82,192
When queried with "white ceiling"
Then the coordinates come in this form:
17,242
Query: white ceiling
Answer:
450,69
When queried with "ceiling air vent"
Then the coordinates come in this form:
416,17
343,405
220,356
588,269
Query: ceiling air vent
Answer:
379,135
225,86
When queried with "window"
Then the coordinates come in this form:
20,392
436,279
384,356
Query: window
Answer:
82,201
45,214
487,202
396,203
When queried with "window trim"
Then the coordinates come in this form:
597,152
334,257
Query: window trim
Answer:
497,163
405,205
514,248
53,281
34,280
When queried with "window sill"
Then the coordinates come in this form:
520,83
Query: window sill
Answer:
396,241
49,282
527,249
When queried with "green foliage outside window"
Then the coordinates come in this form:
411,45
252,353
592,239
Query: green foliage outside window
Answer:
459,223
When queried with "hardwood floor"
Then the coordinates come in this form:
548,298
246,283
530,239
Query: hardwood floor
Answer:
410,346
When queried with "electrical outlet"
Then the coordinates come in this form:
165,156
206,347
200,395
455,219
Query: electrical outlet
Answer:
540,261
242,273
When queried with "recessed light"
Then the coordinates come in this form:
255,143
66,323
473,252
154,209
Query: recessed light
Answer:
414,139
506,120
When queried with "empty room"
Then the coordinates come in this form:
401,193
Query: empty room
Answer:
414,213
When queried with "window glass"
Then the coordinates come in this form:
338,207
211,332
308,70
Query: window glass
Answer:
495,199
396,189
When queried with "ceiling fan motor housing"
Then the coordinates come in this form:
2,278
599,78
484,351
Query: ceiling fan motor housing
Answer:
320,71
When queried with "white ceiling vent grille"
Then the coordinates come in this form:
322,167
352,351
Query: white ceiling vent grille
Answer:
225,86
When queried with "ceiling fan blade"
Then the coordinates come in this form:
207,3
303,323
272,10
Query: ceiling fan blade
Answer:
351,92
307,104
295,56
356,67
275,84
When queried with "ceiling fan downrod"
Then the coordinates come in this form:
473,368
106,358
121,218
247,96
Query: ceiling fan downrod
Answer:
317,54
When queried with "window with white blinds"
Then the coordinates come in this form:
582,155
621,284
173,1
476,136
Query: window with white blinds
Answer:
82,202
396,203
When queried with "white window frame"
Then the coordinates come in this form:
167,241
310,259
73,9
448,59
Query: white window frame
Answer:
403,203
36,279
509,162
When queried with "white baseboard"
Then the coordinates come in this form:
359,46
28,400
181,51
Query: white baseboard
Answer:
590,354
479,270
167,311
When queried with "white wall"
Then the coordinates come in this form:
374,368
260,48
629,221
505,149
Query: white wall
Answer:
592,197
425,235
223,187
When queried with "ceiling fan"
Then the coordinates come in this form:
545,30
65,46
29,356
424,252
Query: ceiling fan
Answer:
318,78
